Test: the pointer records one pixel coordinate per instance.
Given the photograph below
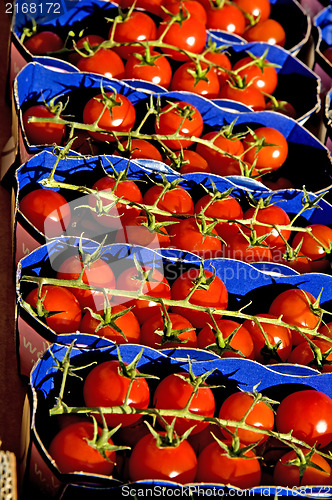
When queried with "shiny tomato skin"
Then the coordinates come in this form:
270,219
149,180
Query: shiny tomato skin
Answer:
302,354
98,274
175,201
155,284
127,323
218,162
106,386
289,475
47,210
42,132
223,62
184,80
215,296
226,18
138,27
171,121
264,79
72,453
294,307
257,8
268,158
241,341
314,247
116,215
134,232
191,162
274,333
103,62
268,31
187,235
194,8
250,96
159,73
141,148
283,107
173,392
260,416
155,324
237,247
188,35
172,463
58,298
272,214
215,466
91,40
120,118
43,43
308,414
300,263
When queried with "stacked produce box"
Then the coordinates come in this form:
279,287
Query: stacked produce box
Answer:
172,226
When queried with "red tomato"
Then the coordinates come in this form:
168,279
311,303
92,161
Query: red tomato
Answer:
308,414
260,416
108,326
239,248
259,9
286,474
268,31
226,18
176,201
138,27
153,6
248,95
152,67
295,307
300,263
187,77
274,152
174,391
43,43
260,74
241,341
84,44
188,161
112,112
283,107
192,7
140,148
47,210
186,35
151,460
326,329
42,132
218,161
103,62
223,63
187,235
302,354
276,334
135,232
72,452
116,215
96,274
273,215
55,298
215,465
212,293
152,283
317,243
179,118
152,332
107,385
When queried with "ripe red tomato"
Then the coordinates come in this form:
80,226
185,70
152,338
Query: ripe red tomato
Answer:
188,235
192,7
174,391
83,44
151,460
241,341
181,118
43,42
47,210
226,18
152,283
151,66
186,77
239,248
268,31
72,452
295,307
316,243
188,161
307,414
108,327
287,474
187,35
223,63
211,294
261,75
302,354
248,95
116,215
273,215
215,465
153,6
300,263
152,332
218,161
260,416
269,157
107,385
96,274
283,107
56,298
103,62
136,28
259,9
42,132
276,334
135,232
140,148
176,201
112,112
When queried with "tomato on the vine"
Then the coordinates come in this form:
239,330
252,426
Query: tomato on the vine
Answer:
259,9
188,161
260,74
136,28
247,94
190,235
194,8
202,80
231,149
152,66
42,132
139,148
318,471
83,44
303,354
226,18
153,6
239,247
176,201
43,42
222,62
268,30
185,35
135,231
152,332
266,147
316,243
103,62
272,215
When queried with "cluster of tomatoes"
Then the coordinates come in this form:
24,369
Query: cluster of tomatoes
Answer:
186,428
